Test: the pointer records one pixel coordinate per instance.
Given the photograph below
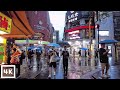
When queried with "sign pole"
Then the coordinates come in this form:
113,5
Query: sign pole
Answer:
90,37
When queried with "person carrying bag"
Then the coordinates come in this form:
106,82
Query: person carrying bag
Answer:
15,59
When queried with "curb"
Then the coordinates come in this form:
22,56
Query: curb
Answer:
90,75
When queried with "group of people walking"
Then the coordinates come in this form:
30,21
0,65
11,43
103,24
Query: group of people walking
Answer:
53,55
16,57
103,54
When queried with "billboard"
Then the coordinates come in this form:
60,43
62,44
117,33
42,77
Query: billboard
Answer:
73,16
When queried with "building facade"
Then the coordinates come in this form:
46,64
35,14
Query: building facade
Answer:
109,29
116,18
40,22
79,30
106,29
56,37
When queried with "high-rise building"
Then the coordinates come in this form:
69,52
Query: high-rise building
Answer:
40,22
56,37
109,29
116,20
78,29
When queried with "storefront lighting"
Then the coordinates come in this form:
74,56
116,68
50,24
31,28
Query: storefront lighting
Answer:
77,42
70,42
73,32
1,39
1,32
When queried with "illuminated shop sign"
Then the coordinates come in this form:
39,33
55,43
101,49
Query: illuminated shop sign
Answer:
2,40
77,37
74,34
73,16
31,42
5,23
104,33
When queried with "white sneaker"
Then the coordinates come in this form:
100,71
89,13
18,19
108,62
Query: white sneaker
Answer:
54,73
108,76
103,76
49,76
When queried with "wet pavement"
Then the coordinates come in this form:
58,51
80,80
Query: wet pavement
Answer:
114,73
82,68
78,68
31,73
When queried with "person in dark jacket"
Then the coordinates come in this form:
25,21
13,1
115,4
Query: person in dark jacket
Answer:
38,57
22,57
65,55
79,54
103,53
30,56
96,53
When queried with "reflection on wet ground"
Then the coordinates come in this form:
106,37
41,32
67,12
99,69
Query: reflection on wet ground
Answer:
82,68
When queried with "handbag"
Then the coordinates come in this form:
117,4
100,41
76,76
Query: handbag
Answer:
14,60
57,58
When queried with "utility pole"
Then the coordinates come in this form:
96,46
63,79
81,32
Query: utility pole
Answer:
98,19
90,33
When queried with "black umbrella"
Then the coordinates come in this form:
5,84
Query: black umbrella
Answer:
63,43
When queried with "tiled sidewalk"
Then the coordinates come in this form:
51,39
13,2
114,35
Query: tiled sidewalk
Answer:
27,73
78,72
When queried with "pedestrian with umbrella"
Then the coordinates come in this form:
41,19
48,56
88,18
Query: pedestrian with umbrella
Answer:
62,44
52,63
65,55
104,60
79,52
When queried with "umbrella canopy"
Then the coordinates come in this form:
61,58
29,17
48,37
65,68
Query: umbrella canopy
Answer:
84,48
62,44
31,48
54,45
108,41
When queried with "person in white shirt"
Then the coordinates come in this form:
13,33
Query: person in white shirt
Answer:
52,63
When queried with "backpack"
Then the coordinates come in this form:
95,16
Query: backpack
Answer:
23,56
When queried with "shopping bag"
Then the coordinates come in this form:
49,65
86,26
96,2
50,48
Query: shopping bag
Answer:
14,60
57,58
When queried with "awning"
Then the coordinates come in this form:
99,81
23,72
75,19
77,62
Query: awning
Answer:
20,26
78,28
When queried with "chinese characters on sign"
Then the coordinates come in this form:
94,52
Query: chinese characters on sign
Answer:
5,23
73,17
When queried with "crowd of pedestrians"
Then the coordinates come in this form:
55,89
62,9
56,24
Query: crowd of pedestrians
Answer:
53,55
